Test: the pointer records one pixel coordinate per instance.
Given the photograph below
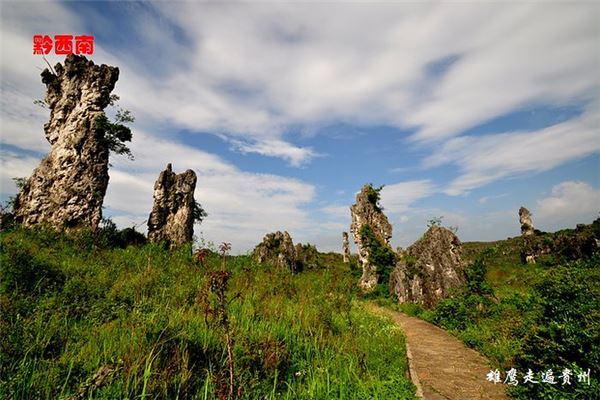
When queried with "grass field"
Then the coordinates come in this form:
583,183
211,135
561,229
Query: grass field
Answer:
82,320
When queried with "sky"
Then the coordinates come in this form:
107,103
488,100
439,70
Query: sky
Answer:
463,110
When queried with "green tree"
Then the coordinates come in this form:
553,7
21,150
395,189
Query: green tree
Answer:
116,133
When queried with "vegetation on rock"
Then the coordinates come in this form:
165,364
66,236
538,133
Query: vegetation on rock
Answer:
381,255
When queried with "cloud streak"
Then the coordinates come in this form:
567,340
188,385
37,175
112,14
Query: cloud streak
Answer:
484,159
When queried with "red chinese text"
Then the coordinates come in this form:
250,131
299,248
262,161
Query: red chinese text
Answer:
63,44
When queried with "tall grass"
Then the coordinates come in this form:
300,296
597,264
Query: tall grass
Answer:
71,308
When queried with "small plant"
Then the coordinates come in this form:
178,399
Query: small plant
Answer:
435,221
216,304
374,195
198,212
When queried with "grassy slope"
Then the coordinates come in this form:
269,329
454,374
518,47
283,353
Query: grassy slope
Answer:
150,316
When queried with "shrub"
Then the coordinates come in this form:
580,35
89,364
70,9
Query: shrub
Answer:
374,195
22,271
567,331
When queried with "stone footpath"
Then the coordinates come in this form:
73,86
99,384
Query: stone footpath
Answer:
441,366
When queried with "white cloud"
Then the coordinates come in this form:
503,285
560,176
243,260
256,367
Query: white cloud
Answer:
522,57
242,206
485,199
14,166
339,212
483,159
296,156
570,203
251,71
396,198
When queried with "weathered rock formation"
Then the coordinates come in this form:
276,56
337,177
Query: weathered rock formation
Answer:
307,257
277,249
67,189
172,216
367,219
346,247
526,222
533,247
429,268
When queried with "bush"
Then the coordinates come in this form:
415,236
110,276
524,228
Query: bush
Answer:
22,271
567,331
374,195
109,236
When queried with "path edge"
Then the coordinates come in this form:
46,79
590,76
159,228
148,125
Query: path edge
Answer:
412,373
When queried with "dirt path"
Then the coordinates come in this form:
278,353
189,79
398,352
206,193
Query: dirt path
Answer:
445,368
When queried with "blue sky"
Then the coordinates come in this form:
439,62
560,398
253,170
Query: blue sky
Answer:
284,110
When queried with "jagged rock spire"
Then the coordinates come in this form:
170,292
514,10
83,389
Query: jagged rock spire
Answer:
67,189
526,222
346,247
367,213
172,216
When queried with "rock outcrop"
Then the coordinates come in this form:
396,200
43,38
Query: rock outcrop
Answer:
277,249
369,225
307,257
346,247
172,216
429,268
67,189
526,222
533,247
562,246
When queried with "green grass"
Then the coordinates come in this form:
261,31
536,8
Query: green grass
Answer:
70,307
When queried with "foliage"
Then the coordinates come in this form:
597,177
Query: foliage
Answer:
116,133
374,195
476,282
108,235
71,307
307,257
435,221
566,332
198,212
41,103
7,218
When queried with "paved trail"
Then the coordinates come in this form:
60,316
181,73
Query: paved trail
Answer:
446,369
